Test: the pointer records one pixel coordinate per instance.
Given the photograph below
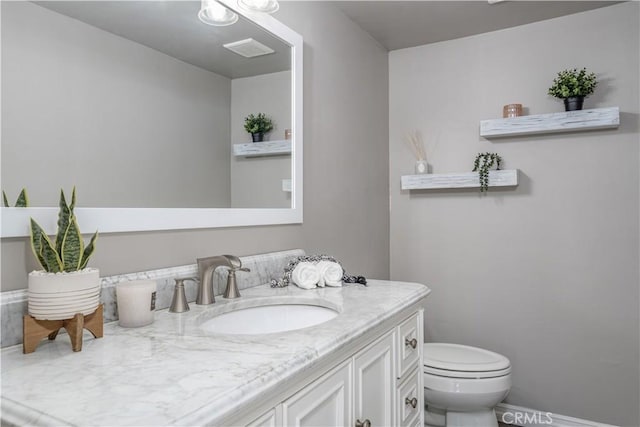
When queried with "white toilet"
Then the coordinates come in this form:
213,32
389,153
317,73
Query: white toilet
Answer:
463,384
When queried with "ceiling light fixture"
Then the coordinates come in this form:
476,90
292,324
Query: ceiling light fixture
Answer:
214,13
265,6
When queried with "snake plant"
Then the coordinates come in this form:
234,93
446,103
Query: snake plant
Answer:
22,202
67,252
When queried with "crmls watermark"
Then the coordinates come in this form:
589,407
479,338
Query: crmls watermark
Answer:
527,418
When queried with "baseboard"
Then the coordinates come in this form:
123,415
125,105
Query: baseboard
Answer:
527,417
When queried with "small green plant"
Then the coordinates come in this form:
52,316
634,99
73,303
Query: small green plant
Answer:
21,202
482,164
68,252
259,123
571,83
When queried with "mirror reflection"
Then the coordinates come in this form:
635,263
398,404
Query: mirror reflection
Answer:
139,104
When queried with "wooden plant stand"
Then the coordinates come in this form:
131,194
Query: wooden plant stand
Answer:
34,330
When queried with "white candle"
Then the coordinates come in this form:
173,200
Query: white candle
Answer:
136,301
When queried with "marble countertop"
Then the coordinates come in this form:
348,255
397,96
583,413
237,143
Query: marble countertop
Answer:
174,373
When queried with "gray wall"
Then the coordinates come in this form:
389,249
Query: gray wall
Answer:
345,168
546,274
256,182
126,124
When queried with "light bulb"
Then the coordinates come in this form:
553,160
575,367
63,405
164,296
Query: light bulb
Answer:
214,13
266,6
259,4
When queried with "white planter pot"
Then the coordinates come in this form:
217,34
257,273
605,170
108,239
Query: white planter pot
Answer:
57,296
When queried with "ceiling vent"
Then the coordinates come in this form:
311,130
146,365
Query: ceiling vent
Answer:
249,48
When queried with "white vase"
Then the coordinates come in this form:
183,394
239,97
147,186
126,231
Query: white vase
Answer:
57,296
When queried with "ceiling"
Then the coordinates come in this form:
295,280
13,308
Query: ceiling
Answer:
173,28
402,24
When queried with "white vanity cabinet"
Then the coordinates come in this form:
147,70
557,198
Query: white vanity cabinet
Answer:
410,397
325,402
270,419
380,384
374,385
360,368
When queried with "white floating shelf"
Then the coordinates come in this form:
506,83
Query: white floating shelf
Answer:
265,148
501,178
568,121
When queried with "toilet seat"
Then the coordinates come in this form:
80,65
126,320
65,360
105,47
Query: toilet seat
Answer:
467,375
461,361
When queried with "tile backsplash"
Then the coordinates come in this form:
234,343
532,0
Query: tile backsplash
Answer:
264,267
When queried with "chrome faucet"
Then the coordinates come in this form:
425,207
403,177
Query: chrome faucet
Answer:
206,268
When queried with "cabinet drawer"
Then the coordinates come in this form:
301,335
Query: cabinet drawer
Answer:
410,399
410,344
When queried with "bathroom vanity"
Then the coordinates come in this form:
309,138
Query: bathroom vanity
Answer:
361,368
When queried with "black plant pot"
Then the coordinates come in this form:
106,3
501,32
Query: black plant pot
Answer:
257,137
573,103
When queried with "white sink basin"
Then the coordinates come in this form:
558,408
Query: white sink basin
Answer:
268,319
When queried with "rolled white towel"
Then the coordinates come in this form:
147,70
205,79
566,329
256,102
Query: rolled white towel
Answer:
330,273
305,275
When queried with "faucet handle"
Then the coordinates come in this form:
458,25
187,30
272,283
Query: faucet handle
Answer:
179,302
232,287
235,262
234,269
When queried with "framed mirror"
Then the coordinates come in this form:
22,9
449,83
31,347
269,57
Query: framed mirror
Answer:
141,107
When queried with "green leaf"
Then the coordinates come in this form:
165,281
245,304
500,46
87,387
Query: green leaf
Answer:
4,199
23,200
36,242
44,250
72,247
73,200
88,251
64,215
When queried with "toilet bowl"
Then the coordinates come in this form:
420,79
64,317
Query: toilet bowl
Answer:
463,384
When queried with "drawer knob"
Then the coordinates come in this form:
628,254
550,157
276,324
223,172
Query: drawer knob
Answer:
366,423
413,343
413,402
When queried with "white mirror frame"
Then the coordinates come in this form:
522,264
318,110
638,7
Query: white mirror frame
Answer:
15,221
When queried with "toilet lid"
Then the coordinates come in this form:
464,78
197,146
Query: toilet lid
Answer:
443,358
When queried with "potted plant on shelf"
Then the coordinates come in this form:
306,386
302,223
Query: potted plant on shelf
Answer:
482,164
573,87
257,126
64,286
